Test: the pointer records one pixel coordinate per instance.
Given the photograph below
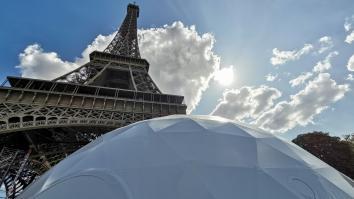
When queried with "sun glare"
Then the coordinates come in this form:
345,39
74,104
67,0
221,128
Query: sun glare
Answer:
225,76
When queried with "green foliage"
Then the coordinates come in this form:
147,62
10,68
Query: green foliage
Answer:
337,152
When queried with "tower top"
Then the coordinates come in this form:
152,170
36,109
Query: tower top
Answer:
133,8
125,42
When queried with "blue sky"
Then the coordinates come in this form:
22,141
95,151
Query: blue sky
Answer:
245,33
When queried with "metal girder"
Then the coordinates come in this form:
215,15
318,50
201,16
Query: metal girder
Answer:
14,172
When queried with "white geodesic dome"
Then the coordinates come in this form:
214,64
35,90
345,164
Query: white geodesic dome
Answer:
190,157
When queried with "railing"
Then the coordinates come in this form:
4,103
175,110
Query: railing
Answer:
29,85
60,122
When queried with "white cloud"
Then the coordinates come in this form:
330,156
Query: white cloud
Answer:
350,77
302,107
100,43
281,57
246,102
256,104
350,38
348,26
301,79
325,43
270,78
325,64
36,63
350,64
182,60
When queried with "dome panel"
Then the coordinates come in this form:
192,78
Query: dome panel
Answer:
213,149
185,157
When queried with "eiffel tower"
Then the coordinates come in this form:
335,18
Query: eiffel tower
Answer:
42,122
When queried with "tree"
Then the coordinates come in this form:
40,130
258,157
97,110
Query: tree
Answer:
332,150
349,138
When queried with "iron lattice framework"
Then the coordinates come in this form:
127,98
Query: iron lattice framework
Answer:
42,122
126,41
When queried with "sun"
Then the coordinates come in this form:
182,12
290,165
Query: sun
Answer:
225,76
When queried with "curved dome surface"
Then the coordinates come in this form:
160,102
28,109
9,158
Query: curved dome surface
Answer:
190,157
